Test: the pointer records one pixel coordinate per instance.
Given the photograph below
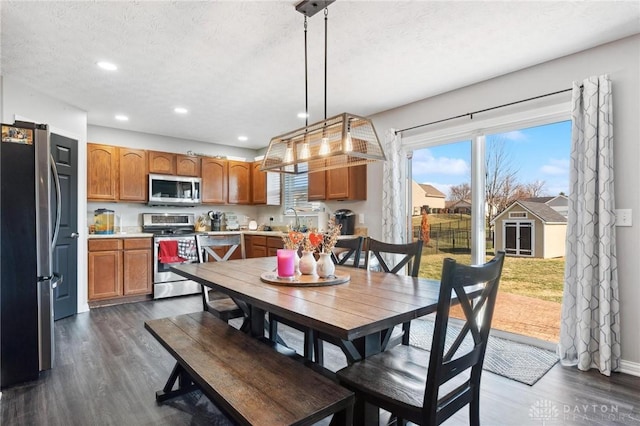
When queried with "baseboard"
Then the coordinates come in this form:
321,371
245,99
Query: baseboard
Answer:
631,368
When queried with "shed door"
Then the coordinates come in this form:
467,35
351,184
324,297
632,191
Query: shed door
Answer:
518,238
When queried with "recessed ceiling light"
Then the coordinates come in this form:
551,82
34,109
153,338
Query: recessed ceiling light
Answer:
243,138
302,115
180,110
107,66
120,117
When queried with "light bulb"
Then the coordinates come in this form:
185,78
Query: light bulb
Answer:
305,153
348,143
288,155
324,147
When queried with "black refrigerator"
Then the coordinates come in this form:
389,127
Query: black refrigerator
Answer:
29,220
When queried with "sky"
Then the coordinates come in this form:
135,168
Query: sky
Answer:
537,154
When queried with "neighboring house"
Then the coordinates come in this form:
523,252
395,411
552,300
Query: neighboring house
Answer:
460,206
426,195
530,229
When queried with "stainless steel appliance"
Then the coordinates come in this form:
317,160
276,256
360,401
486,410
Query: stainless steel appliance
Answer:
167,190
29,224
174,243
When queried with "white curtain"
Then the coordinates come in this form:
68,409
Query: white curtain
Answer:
393,191
590,327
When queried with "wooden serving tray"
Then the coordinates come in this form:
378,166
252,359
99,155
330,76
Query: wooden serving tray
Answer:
304,280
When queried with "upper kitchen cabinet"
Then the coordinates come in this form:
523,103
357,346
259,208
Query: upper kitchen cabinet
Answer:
239,182
214,174
265,186
187,165
133,174
163,163
346,183
102,172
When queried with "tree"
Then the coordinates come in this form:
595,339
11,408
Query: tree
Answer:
460,192
501,184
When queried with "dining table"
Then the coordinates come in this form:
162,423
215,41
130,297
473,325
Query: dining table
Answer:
358,314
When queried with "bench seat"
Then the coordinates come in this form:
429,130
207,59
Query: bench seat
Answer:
251,382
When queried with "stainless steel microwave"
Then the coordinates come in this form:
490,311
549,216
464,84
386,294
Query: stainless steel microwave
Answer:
167,190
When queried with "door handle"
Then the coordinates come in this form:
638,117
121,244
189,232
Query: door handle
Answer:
75,235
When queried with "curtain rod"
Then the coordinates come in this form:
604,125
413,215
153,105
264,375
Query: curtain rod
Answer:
470,114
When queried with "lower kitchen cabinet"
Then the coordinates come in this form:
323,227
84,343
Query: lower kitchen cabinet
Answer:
119,267
262,245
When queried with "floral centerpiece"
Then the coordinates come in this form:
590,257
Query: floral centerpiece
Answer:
331,236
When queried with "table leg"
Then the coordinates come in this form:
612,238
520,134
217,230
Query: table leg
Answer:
257,323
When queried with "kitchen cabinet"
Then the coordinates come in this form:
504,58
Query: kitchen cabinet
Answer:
163,163
102,172
239,182
187,165
119,267
133,180
214,173
346,183
265,187
261,245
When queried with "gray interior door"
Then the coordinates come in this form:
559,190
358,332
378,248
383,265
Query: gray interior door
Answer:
65,253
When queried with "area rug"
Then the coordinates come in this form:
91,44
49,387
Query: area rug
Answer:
516,361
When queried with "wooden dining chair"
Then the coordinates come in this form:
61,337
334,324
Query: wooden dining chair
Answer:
347,251
408,255
428,387
218,248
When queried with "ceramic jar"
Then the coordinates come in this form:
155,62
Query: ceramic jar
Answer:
325,266
307,263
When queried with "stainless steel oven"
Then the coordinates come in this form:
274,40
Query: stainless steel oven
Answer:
174,243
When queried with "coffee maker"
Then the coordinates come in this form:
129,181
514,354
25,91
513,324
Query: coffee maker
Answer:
347,219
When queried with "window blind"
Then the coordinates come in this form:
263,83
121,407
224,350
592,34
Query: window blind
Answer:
295,191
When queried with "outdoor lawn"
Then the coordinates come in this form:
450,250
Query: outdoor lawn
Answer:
531,277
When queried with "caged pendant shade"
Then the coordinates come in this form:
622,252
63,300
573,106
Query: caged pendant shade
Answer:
341,141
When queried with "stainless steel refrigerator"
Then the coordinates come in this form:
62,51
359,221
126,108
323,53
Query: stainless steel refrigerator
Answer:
29,219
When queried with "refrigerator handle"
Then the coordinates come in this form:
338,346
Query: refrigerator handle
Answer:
56,279
56,180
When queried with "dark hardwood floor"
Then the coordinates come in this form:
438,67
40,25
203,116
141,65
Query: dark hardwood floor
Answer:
108,369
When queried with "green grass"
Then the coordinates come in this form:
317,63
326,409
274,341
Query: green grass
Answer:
537,278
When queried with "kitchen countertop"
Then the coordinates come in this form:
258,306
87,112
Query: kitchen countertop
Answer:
126,235
150,235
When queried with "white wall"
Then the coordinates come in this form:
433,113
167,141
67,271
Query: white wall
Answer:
621,60
20,101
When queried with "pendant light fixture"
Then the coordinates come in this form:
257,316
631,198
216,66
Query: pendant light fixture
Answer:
343,140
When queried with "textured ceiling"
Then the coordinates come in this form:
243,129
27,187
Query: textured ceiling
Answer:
238,66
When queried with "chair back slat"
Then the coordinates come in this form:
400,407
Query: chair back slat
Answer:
207,243
447,363
352,254
411,256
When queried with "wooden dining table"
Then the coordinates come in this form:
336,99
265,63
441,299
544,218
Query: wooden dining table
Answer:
358,315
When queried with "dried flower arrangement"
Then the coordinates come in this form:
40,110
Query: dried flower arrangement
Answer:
312,241
292,240
331,236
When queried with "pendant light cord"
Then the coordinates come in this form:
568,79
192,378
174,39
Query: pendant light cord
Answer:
326,14
306,79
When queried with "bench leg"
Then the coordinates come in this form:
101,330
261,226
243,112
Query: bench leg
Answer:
343,417
185,384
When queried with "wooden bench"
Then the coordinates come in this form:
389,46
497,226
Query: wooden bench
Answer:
250,381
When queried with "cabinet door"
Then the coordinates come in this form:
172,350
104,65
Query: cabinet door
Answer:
214,181
187,165
259,251
239,182
102,172
133,174
347,183
259,184
137,272
163,163
316,186
105,274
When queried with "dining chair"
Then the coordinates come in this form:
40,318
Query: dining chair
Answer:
211,247
393,258
437,383
348,251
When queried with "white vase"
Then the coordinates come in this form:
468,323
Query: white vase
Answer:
307,263
325,266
